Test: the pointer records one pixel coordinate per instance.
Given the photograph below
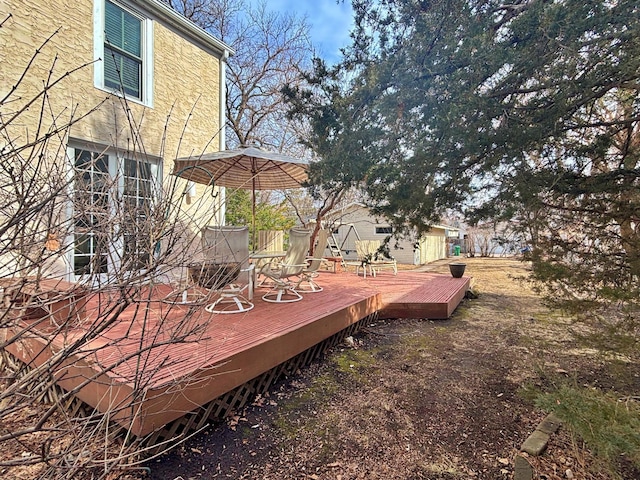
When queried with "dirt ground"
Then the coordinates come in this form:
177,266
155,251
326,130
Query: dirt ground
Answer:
416,399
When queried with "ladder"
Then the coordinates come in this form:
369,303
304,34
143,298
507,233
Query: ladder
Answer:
334,248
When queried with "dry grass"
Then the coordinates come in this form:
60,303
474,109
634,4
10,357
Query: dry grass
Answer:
418,399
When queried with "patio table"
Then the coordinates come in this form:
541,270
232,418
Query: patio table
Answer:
337,263
261,259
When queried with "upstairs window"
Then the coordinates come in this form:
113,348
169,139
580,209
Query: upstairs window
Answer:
122,50
123,47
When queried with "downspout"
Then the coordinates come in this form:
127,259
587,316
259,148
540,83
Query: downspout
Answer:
222,197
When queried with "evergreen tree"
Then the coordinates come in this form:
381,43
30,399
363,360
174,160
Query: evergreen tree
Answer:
524,111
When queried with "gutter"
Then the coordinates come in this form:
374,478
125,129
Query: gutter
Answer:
186,27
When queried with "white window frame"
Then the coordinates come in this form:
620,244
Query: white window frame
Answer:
147,51
116,170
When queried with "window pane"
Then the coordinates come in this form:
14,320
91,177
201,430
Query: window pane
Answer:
82,245
112,24
130,167
87,160
102,163
89,257
81,265
83,158
132,35
130,186
145,188
118,66
122,30
131,75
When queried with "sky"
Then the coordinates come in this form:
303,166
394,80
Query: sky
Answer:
330,22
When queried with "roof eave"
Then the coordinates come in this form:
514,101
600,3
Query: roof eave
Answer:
187,27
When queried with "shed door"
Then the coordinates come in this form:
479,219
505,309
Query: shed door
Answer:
432,248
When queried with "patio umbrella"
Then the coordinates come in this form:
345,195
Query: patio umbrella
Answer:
247,168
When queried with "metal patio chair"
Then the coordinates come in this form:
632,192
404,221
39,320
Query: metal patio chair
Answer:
226,270
310,273
284,276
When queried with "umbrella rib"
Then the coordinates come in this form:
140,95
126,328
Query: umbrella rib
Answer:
271,165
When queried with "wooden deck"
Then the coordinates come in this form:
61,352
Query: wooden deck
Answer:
419,294
190,357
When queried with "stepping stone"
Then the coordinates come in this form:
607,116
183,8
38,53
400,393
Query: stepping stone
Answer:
523,470
535,443
550,424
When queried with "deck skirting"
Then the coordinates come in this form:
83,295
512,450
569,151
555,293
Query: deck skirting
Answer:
215,411
221,407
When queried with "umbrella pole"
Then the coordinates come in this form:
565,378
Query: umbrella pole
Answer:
253,209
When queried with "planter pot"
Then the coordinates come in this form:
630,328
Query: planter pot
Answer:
457,269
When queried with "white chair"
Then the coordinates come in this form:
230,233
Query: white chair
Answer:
381,261
310,273
226,270
281,275
365,250
369,257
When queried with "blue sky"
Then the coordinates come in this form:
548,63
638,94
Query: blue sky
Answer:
330,22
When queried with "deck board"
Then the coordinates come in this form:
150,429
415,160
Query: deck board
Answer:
228,350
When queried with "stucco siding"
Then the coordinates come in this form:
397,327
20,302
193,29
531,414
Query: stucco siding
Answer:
182,119
185,82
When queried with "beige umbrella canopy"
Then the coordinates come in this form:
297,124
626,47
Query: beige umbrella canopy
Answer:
249,168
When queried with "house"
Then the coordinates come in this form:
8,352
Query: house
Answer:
145,85
355,222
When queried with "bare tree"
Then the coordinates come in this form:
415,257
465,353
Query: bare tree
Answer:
271,50
51,204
